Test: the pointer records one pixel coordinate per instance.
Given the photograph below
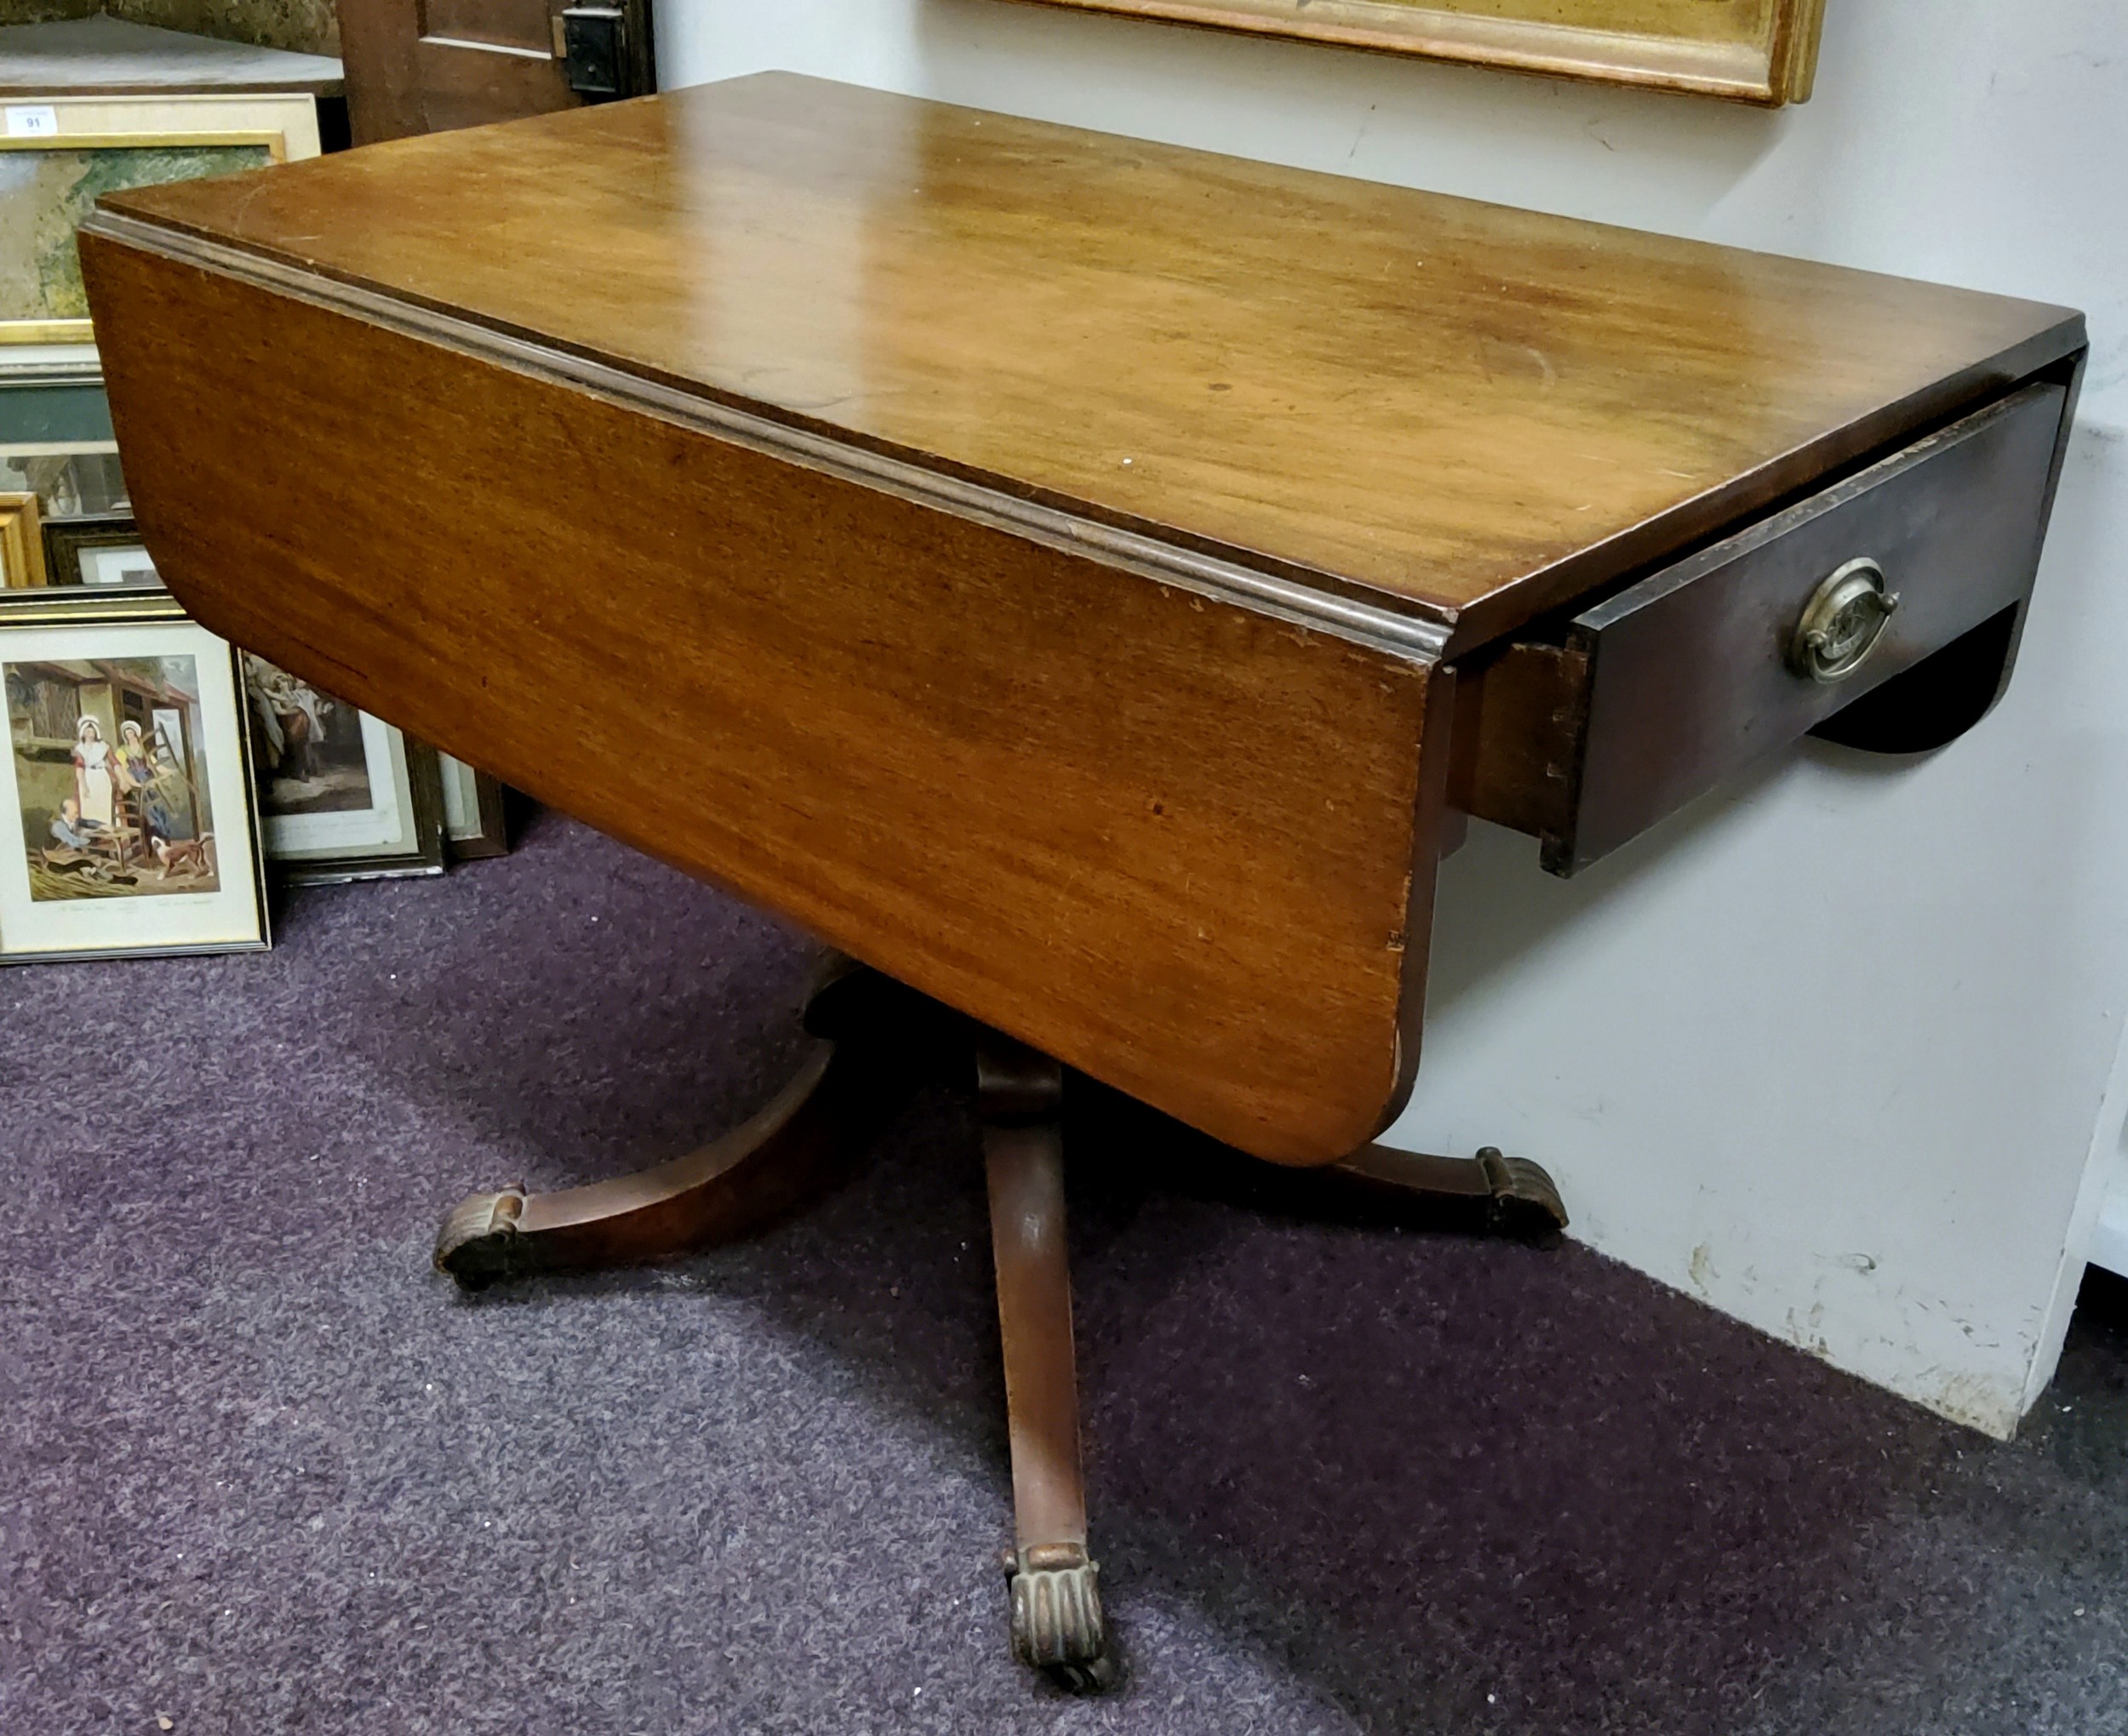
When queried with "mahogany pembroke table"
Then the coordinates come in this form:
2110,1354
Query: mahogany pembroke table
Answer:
1088,583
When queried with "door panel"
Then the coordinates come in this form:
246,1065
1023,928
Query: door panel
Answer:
509,24
465,83
427,66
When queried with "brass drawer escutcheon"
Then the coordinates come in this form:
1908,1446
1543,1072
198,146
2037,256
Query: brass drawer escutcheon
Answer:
1842,623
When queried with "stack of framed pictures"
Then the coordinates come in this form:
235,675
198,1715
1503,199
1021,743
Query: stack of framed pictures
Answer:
343,795
59,474
155,771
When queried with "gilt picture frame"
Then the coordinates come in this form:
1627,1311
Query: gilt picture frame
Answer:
22,565
1762,51
126,782
58,154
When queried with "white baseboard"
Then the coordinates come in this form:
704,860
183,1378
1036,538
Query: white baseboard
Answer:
2109,1240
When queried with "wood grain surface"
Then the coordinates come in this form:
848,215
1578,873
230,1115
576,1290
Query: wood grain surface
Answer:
1030,560
1461,412
1167,840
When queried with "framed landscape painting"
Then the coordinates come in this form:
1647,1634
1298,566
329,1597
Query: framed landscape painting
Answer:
1754,51
57,155
126,783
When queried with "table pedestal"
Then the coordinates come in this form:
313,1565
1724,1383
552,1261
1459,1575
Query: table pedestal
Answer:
872,1041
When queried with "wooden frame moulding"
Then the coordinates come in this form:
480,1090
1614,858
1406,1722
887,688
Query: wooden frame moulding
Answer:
1762,51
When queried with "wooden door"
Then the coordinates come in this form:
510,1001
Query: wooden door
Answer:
427,65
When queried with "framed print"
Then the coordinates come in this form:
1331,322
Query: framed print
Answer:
57,155
1754,51
102,555
21,543
70,479
473,821
127,781
342,795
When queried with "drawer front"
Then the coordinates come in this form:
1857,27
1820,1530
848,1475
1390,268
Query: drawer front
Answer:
1694,672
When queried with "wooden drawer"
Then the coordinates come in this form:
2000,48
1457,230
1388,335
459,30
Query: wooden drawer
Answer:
1588,733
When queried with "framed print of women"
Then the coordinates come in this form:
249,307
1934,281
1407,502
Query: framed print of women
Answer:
128,773
342,795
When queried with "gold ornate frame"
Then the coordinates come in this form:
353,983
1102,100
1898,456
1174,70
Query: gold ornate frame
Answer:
285,126
21,543
1753,51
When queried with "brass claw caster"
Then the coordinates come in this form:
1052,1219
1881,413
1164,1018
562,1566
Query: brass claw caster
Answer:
1056,1620
1526,1203
478,1239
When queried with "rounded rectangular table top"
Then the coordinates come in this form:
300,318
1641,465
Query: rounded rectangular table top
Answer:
1459,413
1037,563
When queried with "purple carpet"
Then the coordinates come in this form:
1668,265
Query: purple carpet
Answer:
262,1471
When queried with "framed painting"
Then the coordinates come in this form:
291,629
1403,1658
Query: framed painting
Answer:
1754,51
57,155
21,543
474,824
342,795
127,782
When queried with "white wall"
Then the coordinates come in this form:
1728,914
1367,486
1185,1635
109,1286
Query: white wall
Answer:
1829,1049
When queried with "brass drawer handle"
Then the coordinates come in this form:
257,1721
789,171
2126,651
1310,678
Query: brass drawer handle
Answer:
1842,623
